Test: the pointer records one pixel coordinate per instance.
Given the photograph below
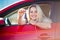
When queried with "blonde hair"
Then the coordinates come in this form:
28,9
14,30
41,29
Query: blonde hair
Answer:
41,15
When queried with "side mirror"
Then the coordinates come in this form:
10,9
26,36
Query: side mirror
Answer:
2,22
7,22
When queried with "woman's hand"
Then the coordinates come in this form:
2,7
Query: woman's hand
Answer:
21,12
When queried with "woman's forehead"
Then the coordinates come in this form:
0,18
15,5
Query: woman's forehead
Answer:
33,8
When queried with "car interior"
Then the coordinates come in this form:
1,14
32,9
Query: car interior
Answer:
11,18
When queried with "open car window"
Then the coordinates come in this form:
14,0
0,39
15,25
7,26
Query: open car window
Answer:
12,17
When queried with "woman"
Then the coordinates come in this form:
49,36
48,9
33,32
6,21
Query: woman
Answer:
36,17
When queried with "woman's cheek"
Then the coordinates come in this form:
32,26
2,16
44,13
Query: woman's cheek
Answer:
31,16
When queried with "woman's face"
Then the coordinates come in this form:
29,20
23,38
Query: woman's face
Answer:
33,13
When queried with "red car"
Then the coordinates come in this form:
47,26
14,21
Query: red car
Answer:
10,30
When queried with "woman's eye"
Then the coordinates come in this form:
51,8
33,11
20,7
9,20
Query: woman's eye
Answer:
35,11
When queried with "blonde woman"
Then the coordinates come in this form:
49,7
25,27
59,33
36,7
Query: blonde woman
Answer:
36,17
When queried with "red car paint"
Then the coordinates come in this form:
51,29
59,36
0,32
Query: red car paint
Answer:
25,32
